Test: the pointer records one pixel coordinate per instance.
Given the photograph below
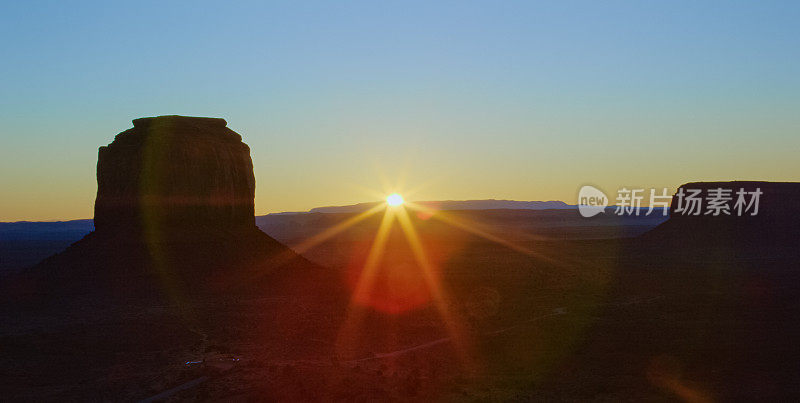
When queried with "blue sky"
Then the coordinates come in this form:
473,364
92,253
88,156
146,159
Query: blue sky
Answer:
519,100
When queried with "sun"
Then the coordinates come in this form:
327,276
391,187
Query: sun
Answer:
394,199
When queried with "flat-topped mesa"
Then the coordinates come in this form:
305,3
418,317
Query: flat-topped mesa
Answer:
173,222
773,203
739,217
175,172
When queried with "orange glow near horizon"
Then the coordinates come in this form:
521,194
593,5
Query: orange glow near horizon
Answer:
390,288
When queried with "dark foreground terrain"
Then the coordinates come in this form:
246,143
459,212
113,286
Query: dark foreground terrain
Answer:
656,317
24,244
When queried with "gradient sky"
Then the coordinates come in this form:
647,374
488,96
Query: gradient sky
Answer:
525,101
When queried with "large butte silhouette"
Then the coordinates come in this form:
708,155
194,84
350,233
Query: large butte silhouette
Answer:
766,226
174,220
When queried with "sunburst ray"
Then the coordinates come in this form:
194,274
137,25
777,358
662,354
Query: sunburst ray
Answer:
438,294
475,230
336,229
363,287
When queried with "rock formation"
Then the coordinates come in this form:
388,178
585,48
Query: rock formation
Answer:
175,172
772,230
173,218
175,270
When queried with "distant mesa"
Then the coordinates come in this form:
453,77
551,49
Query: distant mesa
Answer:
774,228
777,201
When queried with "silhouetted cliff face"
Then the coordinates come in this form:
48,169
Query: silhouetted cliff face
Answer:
173,217
764,218
776,201
175,172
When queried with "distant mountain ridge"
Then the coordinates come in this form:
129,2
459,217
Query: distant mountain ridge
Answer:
45,230
486,204
75,229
